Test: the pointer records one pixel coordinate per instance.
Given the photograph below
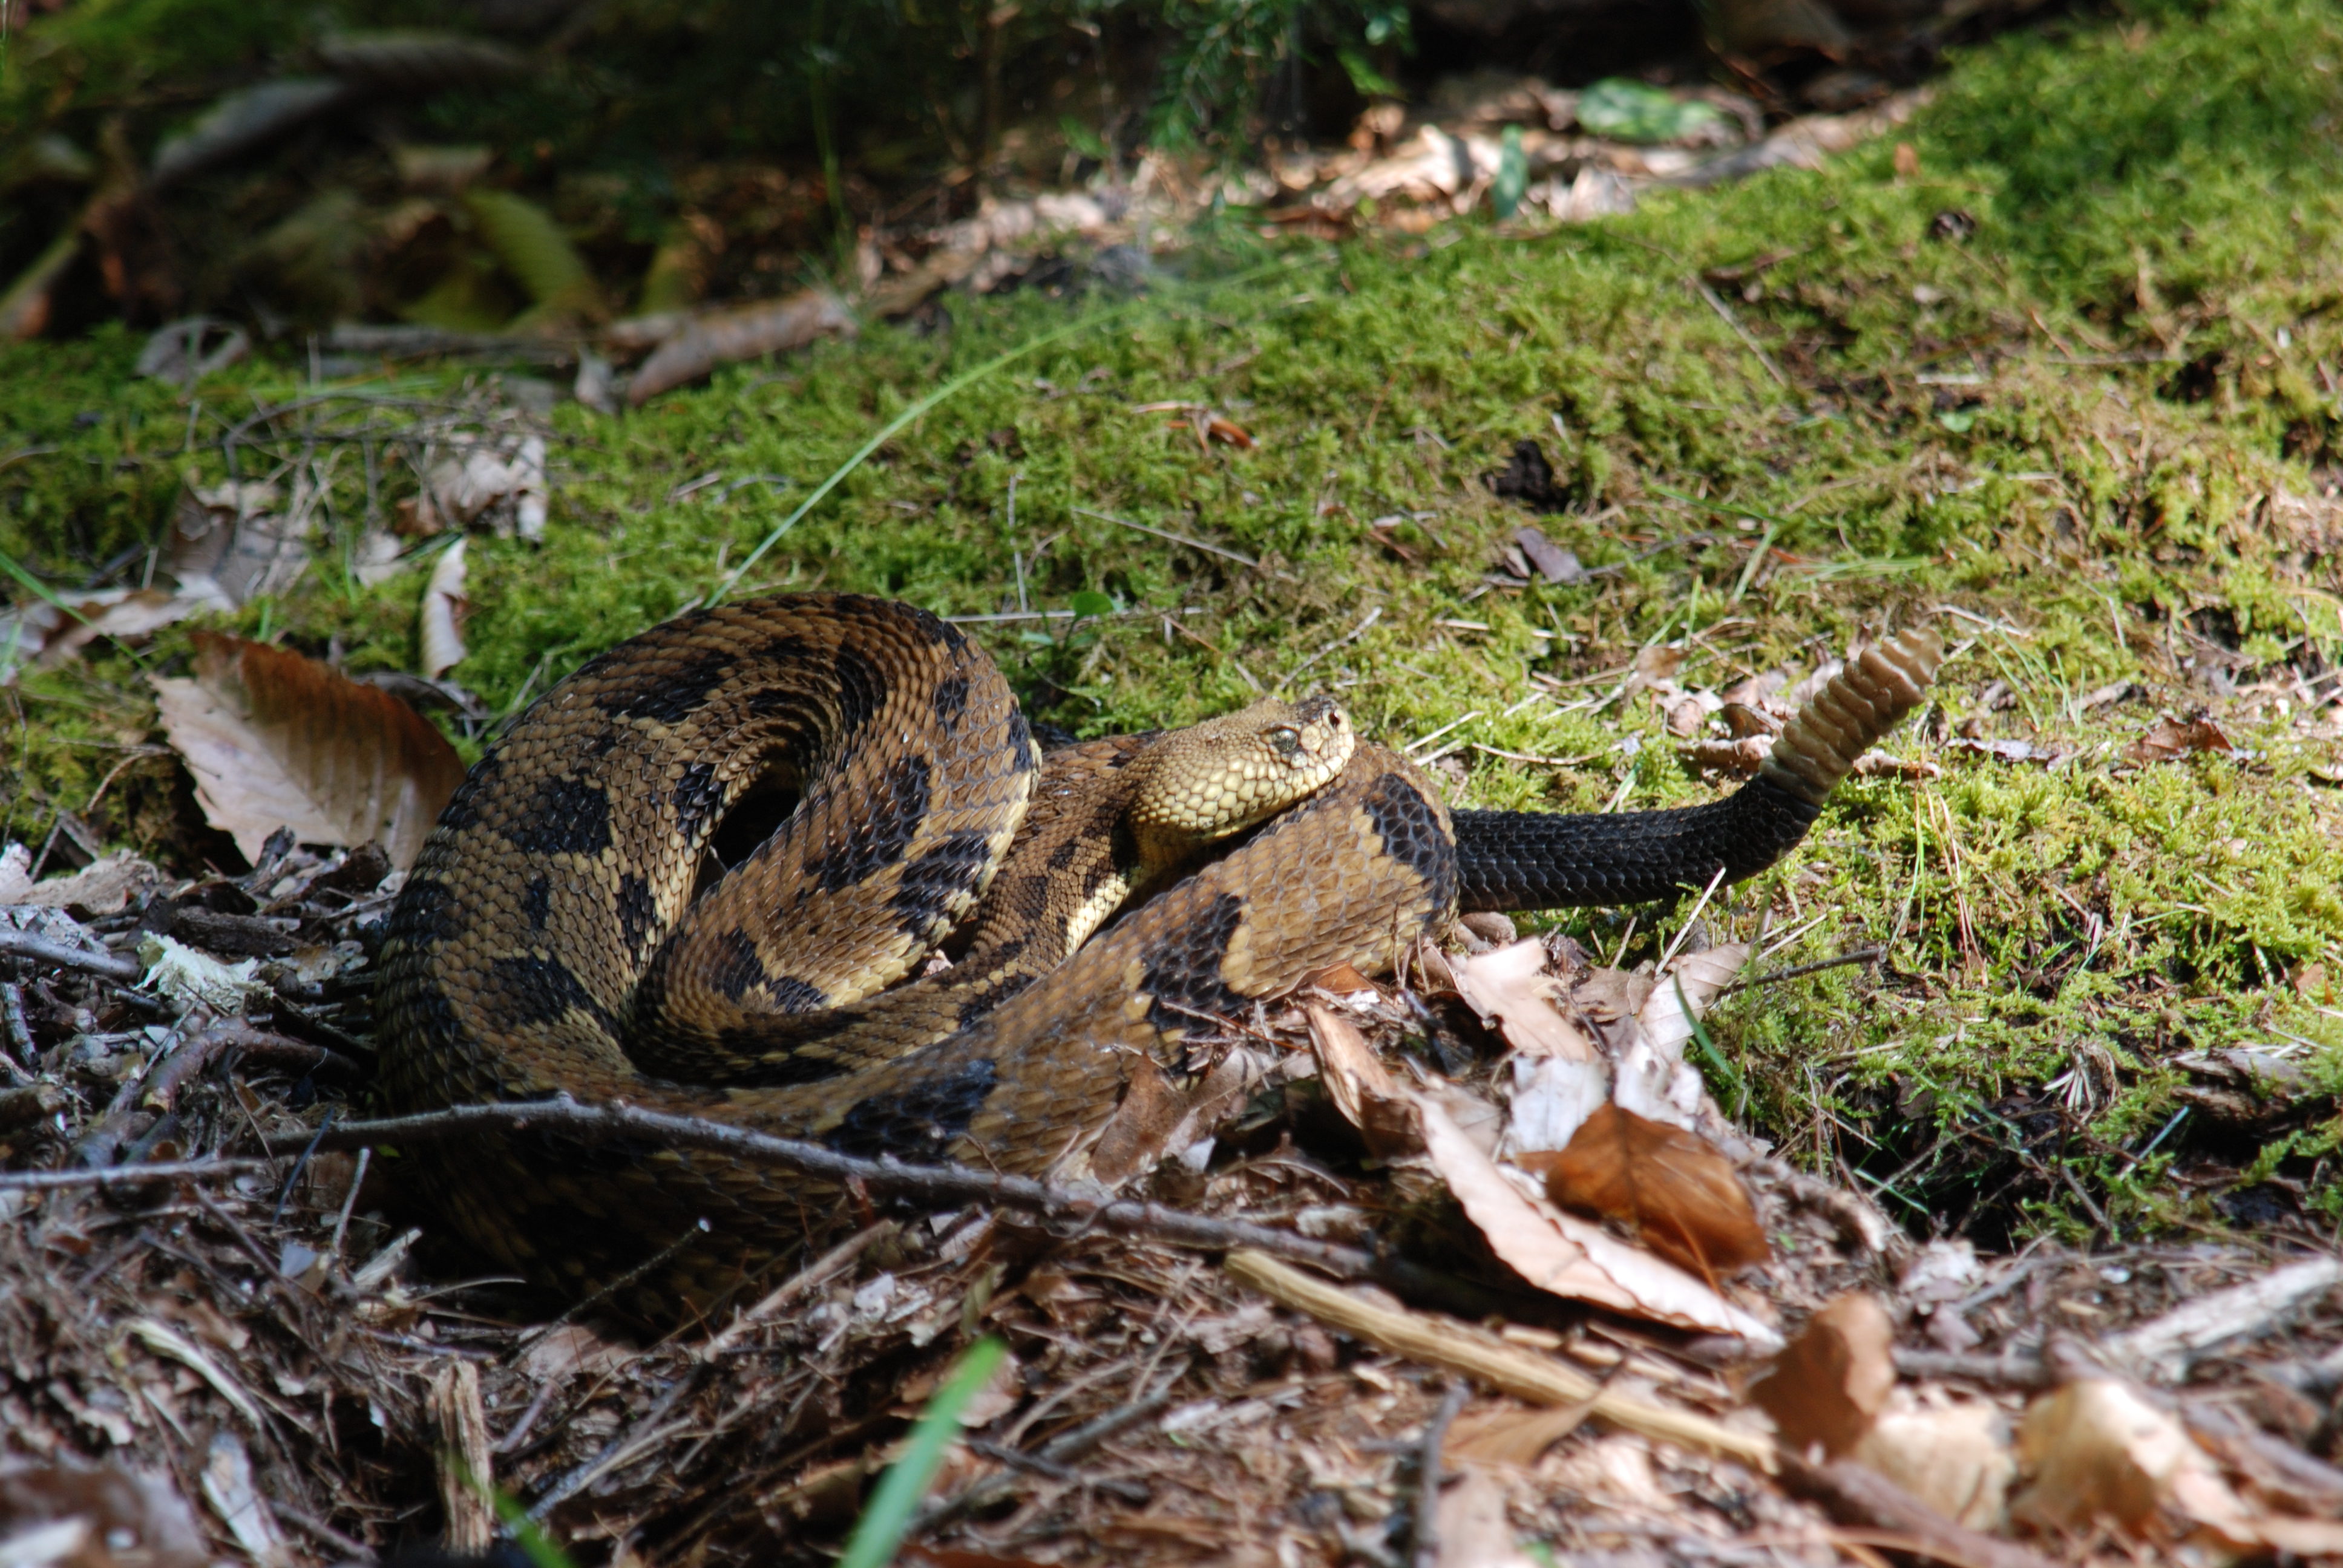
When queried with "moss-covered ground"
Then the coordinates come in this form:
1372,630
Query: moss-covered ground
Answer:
2065,389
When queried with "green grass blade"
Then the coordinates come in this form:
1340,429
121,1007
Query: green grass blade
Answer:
958,383
880,1528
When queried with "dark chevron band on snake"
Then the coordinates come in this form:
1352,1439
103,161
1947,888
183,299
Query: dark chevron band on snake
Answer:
687,877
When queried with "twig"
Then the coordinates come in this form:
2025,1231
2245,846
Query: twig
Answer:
1854,1494
1860,956
1470,1353
1685,929
112,966
1427,1473
1542,762
301,1163
2163,1347
109,1175
1059,1450
944,1185
1223,551
1132,1491
2011,1368
1344,640
19,1033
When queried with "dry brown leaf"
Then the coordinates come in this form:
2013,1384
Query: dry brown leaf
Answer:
440,619
508,485
727,336
52,633
1831,1381
1367,1095
1954,1458
1552,1099
100,888
1691,980
1342,980
1673,1187
1510,988
1571,1257
1515,1437
276,739
1553,561
2099,1451
1473,1529
80,1516
1135,1135
2167,738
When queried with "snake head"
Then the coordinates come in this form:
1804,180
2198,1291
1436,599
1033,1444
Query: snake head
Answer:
1200,785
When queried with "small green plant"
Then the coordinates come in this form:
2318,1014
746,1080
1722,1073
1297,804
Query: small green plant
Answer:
887,1515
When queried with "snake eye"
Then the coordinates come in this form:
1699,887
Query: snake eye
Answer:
1286,741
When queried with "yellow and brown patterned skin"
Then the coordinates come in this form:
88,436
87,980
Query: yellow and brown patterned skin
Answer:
542,945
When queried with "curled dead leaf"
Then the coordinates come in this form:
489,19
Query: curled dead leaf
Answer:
278,739
2169,738
1366,1094
2099,1451
440,619
1690,982
1558,1251
1830,1383
52,633
1954,1458
1671,1186
1509,988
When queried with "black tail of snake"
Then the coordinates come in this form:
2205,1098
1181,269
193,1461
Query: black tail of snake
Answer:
593,916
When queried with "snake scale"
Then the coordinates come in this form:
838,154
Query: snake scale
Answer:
686,876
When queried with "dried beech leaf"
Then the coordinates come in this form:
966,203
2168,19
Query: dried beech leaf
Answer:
100,888
1134,1137
724,337
2099,1451
1954,1458
440,620
1552,1099
1568,1256
1367,1095
1509,986
1342,980
276,739
1475,1530
1672,1186
1698,977
2167,738
1740,758
1515,1437
1830,1384
53,633
83,1515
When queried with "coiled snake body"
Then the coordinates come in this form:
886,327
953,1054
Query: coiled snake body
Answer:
583,919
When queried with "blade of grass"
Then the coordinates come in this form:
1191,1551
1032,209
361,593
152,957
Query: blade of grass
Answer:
958,383
887,1515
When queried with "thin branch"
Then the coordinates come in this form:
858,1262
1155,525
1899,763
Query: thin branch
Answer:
1427,1480
25,945
943,1185
1860,956
108,1175
1211,550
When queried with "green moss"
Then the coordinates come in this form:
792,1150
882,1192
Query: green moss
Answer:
1999,424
